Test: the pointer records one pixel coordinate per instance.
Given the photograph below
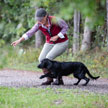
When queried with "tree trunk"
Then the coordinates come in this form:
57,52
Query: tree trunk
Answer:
86,42
76,32
107,22
39,39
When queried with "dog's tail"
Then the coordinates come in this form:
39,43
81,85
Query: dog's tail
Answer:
91,75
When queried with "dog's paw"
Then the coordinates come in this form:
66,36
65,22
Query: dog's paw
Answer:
75,84
84,84
41,77
55,83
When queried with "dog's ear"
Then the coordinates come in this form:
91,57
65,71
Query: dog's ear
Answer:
49,65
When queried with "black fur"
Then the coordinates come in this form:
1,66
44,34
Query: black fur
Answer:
59,69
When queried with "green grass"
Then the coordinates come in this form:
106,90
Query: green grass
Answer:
50,98
27,59
25,66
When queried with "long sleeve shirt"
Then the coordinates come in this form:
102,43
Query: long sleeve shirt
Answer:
35,28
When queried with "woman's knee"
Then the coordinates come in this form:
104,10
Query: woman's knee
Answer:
50,57
40,59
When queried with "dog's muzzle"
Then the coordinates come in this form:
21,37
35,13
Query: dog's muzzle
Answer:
39,66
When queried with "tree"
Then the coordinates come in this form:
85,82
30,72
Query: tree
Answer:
76,32
86,36
39,39
107,20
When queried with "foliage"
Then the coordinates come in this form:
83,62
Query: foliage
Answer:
65,8
94,9
16,17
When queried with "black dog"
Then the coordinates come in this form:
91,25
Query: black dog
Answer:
59,69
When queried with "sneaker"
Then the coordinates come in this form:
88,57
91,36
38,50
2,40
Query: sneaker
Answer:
47,82
58,82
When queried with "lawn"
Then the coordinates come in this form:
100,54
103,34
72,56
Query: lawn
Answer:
50,98
27,59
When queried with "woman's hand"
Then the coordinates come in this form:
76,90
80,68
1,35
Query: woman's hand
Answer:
18,41
15,43
54,38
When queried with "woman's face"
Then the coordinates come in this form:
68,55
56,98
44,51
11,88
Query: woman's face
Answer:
44,20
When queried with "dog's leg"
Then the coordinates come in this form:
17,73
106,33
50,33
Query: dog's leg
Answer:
42,76
87,80
47,75
77,82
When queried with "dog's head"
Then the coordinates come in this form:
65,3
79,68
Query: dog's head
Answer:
45,63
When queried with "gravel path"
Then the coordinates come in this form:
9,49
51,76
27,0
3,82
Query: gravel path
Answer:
16,78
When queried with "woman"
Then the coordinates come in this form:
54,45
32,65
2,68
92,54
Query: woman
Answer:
56,39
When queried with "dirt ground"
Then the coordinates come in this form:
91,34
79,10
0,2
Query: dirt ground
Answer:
17,78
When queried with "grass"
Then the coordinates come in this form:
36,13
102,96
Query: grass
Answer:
27,59
17,58
50,98
25,66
